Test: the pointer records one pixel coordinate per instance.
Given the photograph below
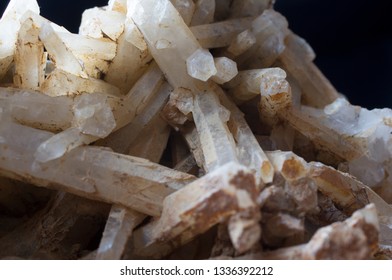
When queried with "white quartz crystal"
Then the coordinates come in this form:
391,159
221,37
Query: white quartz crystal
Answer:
249,151
30,59
134,36
61,143
220,34
250,83
226,70
59,52
273,81
142,92
186,8
121,140
360,136
242,42
204,12
118,6
200,65
97,115
159,20
119,226
94,54
151,89
131,59
154,18
36,109
59,83
270,30
152,140
9,27
98,23
210,117
92,172
93,115
367,170
216,140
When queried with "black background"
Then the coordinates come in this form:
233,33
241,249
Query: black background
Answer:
352,40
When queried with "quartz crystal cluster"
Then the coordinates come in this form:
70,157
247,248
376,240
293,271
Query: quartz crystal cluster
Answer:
183,129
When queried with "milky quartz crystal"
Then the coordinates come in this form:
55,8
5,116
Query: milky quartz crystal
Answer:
30,59
242,42
183,129
10,23
186,8
200,65
226,70
220,34
98,23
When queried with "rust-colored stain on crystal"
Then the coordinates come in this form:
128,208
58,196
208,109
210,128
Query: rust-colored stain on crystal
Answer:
292,168
245,181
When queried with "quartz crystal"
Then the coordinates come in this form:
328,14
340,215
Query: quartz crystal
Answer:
200,65
100,23
204,12
220,34
226,70
30,59
119,226
179,222
244,41
183,129
118,6
10,24
186,8
59,52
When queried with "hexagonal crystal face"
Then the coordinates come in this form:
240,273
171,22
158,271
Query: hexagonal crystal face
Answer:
200,65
